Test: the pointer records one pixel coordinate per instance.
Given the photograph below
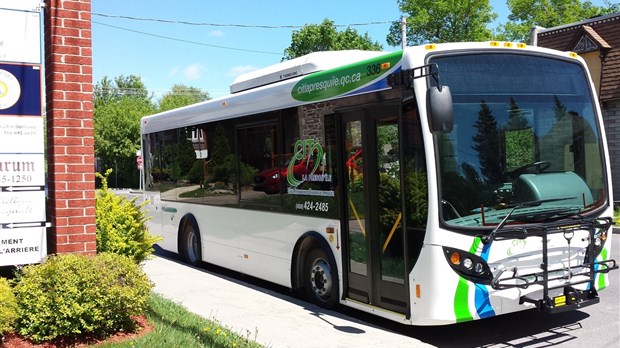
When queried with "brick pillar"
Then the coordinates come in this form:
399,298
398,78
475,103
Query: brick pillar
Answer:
70,139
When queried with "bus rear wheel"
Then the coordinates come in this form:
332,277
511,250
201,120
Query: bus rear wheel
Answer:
321,280
190,243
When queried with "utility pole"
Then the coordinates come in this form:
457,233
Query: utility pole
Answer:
403,31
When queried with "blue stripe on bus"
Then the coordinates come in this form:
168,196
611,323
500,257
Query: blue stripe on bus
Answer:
483,302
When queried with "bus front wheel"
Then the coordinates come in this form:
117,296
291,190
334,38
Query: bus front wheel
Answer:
190,243
321,281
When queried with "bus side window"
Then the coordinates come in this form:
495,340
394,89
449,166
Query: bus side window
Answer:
158,172
148,161
220,186
259,163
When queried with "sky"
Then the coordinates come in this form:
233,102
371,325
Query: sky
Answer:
210,57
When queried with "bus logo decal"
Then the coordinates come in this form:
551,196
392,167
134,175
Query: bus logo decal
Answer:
306,151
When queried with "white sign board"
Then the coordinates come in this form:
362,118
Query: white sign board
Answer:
21,246
17,170
22,133
22,206
20,23
23,238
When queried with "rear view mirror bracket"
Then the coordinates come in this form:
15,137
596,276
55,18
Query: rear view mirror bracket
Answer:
438,97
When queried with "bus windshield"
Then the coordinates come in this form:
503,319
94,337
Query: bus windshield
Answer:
525,145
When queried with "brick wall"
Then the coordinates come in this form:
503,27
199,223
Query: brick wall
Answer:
70,140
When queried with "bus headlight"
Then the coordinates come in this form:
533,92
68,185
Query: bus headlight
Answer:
469,266
468,263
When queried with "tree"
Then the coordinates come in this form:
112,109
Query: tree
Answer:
325,37
443,21
548,13
487,145
123,86
181,95
119,105
222,166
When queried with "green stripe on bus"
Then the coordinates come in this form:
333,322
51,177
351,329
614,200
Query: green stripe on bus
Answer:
461,302
601,276
342,80
475,245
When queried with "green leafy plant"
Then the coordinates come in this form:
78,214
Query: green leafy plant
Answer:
8,306
121,224
196,174
617,215
70,294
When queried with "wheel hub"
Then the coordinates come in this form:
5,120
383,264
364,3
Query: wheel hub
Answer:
321,278
192,246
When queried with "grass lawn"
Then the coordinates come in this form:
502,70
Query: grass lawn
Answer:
174,326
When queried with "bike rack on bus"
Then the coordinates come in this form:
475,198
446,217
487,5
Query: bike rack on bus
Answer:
570,298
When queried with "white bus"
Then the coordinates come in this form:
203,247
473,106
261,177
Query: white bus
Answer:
434,185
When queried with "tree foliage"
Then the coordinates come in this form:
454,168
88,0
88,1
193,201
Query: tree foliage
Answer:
119,105
443,21
524,14
181,95
325,37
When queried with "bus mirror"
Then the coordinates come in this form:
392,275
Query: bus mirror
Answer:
439,107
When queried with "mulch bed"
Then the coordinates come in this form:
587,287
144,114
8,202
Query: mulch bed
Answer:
15,341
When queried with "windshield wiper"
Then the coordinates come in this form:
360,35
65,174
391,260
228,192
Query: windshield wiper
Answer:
491,236
546,215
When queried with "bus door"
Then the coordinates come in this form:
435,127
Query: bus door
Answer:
373,217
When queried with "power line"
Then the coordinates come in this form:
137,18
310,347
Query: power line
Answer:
186,41
230,25
211,24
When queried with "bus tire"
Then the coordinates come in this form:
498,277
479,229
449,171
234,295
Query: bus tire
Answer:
191,248
320,279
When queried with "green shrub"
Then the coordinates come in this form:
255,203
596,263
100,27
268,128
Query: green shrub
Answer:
8,306
121,224
196,175
70,294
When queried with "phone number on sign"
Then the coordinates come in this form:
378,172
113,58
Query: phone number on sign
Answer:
313,206
15,179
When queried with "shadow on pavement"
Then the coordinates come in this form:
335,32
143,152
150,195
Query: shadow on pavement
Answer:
522,329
